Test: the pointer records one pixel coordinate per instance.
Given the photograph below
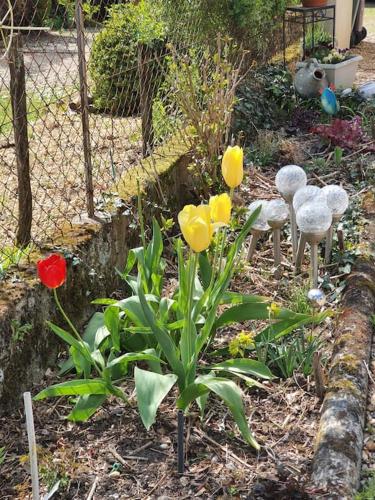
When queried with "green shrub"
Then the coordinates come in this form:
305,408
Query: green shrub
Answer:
114,55
264,99
249,22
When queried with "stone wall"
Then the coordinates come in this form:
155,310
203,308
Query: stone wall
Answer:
94,248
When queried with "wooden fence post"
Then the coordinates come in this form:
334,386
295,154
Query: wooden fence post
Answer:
21,141
146,91
84,107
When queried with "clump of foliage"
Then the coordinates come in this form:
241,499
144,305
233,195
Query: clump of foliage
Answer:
327,55
251,23
347,134
203,87
263,100
113,62
170,332
317,37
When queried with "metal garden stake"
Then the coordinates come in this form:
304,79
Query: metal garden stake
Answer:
277,213
260,226
338,201
314,219
180,441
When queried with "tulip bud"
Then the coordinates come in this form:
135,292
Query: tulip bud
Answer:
221,207
196,227
232,166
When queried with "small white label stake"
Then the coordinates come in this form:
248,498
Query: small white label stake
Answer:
32,444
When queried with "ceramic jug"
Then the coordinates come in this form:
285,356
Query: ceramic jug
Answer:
310,78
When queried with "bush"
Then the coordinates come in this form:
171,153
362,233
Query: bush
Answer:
251,23
264,99
114,55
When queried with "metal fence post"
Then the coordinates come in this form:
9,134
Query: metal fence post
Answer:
84,107
21,141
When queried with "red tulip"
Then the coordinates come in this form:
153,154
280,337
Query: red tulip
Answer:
52,270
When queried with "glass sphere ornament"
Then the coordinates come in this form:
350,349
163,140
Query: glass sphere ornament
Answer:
276,212
304,195
314,218
289,179
337,199
261,223
316,297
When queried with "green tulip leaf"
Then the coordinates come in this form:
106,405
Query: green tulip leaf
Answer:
229,392
151,389
244,365
86,406
74,388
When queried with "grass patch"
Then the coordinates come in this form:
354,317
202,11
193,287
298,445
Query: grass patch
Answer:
37,107
368,490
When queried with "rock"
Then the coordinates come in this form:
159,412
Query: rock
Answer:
370,446
114,474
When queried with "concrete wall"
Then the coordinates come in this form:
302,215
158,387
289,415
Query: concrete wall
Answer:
93,250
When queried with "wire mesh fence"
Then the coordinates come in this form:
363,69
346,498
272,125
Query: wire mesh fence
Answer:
84,97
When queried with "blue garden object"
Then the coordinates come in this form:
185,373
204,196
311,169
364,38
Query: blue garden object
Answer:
329,102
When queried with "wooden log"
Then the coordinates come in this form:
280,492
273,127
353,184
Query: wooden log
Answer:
21,141
338,450
82,66
146,90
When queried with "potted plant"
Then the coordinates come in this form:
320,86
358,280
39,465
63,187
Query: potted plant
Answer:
340,66
314,3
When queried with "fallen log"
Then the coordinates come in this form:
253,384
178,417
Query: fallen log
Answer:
338,448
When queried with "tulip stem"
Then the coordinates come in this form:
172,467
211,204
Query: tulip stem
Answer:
190,339
72,327
224,236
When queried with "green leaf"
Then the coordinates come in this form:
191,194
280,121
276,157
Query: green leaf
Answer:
69,339
162,336
243,312
130,357
86,406
230,393
151,389
244,365
95,332
205,269
112,322
234,298
104,302
74,388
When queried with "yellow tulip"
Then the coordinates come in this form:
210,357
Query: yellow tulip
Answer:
196,227
221,207
232,166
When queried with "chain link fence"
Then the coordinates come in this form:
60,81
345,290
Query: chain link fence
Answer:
84,97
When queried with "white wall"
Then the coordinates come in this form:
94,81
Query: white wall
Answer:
344,10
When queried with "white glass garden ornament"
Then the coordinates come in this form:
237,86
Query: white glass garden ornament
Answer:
259,227
304,195
316,297
313,219
276,214
338,201
289,180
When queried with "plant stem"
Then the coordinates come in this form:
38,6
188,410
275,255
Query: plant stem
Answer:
74,330
72,327
190,340
140,215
